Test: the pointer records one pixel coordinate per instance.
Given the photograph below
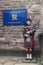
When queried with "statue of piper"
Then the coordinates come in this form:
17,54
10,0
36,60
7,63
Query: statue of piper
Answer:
28,34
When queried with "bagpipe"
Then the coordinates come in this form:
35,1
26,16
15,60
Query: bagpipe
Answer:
32,31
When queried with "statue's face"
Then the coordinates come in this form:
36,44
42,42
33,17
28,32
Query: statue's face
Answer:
28,22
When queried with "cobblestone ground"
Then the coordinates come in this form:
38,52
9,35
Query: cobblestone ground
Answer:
11,60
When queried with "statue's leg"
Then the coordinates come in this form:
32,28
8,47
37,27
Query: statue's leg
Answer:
27,54
30,53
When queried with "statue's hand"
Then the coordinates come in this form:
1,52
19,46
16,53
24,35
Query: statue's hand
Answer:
26,35
28,32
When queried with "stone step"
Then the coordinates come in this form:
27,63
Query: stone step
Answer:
19,53
12,60
26,64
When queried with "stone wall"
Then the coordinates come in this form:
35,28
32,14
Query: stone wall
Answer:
13,34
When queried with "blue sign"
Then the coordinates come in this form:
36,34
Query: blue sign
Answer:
14,17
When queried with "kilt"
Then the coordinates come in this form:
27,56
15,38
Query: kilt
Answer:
29,44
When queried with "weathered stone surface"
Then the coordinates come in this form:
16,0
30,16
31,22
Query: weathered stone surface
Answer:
8,60
14,33
9,63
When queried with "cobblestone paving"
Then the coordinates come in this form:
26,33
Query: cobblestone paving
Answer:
11,60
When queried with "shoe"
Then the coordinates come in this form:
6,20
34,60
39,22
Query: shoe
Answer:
30,56
27,58
30,59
